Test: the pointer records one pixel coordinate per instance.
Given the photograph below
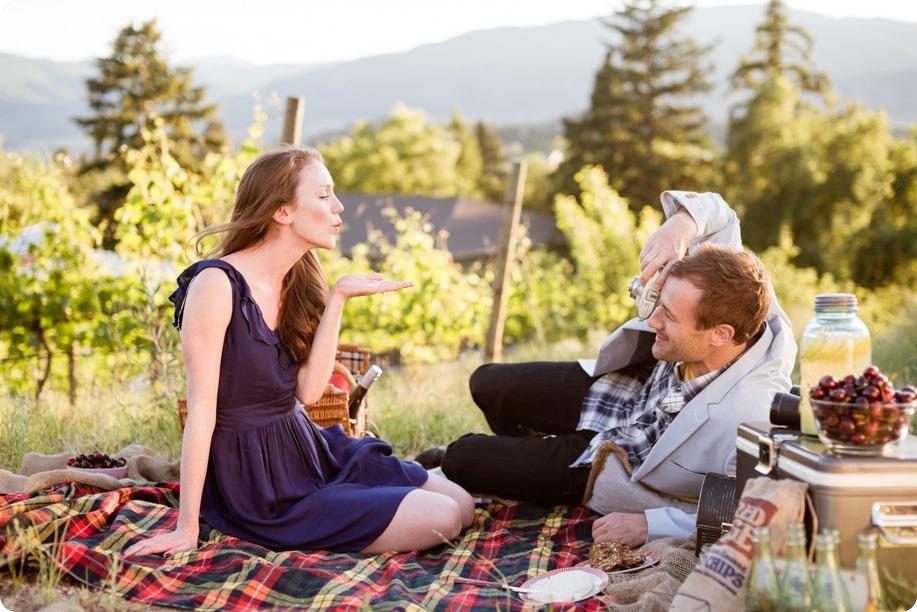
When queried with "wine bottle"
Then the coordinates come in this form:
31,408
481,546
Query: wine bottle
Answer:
359,392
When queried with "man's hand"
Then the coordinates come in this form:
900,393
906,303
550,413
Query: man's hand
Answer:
666,245
631,529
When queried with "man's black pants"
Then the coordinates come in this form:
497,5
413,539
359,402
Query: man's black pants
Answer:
534,409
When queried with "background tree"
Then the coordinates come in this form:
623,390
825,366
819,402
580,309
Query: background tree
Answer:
780,49
53,291
135,87
640,126
469,165
405,154
829,173
493,163
773,126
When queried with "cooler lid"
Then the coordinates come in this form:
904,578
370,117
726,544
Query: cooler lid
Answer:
806,459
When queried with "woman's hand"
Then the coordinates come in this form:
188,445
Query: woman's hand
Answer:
167,543
354,285
666,245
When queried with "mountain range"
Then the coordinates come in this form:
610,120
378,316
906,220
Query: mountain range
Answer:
524,76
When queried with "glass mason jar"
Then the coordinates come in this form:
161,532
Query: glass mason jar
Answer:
834,343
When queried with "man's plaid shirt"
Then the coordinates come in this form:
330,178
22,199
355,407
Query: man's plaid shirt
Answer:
633,406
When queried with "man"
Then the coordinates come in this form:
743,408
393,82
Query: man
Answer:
667,393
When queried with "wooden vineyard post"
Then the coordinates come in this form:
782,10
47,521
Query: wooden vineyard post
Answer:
292,120
493,350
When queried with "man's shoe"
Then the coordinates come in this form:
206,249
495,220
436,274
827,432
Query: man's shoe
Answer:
431,458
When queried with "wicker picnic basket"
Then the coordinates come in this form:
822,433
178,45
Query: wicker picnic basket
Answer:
351,362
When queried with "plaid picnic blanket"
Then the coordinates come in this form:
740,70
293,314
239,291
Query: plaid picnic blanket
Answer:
83,529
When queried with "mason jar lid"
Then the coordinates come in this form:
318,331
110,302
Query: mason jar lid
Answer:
836,301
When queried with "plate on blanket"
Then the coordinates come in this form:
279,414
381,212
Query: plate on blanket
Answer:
651,559
564,585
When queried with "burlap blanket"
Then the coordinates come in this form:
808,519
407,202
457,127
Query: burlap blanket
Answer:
83,528
41,471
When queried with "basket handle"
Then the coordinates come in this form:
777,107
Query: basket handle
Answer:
341,369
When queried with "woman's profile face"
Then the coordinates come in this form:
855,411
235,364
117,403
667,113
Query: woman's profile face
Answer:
315,214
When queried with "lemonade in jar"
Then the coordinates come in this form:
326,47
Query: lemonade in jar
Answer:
835,343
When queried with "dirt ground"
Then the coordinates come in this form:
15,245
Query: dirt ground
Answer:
67,596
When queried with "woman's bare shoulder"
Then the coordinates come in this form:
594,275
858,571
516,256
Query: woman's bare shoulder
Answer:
210,291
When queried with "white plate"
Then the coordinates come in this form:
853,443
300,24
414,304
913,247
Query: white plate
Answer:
599,578
651,559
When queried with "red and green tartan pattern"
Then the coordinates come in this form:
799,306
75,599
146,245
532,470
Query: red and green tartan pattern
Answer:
84,529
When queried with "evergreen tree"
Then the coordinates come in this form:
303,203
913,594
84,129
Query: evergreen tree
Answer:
780,49
135,89
830,177
774,127
469,163
493,163
640,127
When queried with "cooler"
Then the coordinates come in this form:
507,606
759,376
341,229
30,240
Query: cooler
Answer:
848,493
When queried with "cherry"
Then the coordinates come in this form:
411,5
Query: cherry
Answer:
818,392
829,382
871,372
846,427
869,429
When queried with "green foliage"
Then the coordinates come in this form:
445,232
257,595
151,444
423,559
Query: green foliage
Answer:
605,239
780,50
135,87
447,308
53,292
136,92
846,185
406,154
640,126
492,182
776,130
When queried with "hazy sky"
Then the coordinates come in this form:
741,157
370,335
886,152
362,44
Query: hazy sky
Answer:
306,31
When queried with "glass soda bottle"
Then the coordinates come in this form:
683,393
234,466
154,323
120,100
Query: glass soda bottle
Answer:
834,343
828,591
868,565
763,592
796,587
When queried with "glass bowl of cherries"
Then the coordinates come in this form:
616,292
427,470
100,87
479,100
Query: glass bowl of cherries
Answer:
862,415
99,463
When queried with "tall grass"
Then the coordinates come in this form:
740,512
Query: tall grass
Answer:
414,407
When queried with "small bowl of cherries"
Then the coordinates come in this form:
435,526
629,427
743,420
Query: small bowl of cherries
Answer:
862,415
99,463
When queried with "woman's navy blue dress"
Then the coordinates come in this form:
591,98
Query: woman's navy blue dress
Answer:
274,477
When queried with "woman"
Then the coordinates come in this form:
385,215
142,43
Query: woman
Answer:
259,331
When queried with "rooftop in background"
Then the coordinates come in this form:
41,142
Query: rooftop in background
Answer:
473,226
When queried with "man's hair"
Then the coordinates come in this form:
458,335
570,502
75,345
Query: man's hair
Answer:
734,288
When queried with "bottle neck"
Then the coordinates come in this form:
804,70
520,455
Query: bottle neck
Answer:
763,548
835,314
826,558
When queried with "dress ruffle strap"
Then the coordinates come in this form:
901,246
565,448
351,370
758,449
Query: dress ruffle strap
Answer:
254,319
